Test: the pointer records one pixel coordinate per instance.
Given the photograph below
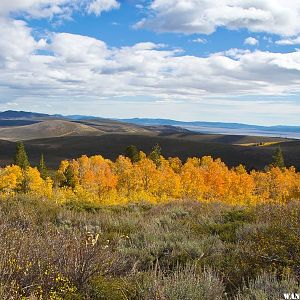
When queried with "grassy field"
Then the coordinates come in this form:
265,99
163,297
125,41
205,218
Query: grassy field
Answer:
182,250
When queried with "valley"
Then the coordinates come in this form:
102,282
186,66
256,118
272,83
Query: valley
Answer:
59,138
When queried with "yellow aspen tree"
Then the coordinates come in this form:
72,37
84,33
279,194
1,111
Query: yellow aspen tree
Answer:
261,185
175,164
216,178
48,187
169,183
11,178
105,178
147,173
282,183
127,182
242,185
33,182
192,179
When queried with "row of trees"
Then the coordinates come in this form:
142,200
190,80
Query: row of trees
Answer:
132,152
139,177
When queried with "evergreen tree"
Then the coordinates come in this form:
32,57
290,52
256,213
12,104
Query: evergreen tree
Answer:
155,155
278,160
133,153
42,167
69,177
21,158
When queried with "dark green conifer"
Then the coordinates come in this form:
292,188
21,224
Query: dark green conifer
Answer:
69,177
43,168
21,158
133,153
155,155
278,159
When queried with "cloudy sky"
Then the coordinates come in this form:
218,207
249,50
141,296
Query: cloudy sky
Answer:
210,60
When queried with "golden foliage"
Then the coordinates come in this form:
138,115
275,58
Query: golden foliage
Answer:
96,179
11,178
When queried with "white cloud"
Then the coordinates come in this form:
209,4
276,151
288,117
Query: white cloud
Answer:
36,8
199,40
234,53
99,6
289,41
251,41
16,42
85,70
204,16
51,8
80,66
72,48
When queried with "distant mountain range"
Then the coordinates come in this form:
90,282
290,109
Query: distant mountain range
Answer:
12,114
197,126
146,121
222,128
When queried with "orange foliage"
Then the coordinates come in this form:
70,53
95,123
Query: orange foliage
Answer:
192,179
94,174
277,184
204,179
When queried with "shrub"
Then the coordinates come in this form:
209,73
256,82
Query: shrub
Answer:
268,287
185,283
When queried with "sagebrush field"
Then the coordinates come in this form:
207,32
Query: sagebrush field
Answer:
178,250
146,227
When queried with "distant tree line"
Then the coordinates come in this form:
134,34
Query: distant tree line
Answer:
132,152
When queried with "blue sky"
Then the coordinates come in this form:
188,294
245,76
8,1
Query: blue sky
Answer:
230,61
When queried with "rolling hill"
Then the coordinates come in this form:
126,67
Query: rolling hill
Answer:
46,129
20,125
60,138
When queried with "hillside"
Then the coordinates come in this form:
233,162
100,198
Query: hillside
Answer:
46,129
111,126
15,126
60,138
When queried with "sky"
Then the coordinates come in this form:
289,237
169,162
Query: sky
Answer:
190,60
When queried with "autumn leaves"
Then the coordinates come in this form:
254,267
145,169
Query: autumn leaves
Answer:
203,179
102,181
